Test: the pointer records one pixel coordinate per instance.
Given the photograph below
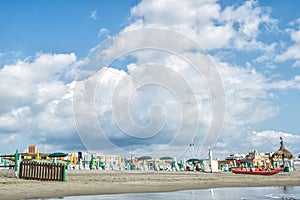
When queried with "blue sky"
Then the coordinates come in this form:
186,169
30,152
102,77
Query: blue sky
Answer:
59,26
255,46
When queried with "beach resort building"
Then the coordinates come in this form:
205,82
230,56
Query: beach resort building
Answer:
282,157
259,159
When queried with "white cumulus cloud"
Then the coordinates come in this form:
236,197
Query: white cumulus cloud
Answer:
93,14
35,100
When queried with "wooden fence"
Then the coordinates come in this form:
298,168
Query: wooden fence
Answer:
42,171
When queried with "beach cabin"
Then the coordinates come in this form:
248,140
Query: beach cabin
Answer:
210,166
297,164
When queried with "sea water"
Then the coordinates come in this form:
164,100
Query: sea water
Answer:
241,193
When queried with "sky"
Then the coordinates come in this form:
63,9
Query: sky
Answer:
120,76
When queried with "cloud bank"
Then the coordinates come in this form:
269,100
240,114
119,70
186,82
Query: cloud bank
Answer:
37,101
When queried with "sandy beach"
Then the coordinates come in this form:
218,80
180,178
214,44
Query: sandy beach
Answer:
112,182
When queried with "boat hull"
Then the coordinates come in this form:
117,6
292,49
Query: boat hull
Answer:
266,173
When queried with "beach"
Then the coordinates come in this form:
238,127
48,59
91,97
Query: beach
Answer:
88,182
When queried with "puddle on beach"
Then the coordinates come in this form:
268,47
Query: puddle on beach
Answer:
242,193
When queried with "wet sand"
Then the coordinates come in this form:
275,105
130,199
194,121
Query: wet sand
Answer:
113,182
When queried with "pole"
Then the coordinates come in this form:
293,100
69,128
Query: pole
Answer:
210,159
16,163
131,163
64,173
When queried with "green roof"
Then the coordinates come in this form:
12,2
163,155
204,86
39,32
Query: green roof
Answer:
57,154
144,158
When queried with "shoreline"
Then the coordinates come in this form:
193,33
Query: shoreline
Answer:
99,182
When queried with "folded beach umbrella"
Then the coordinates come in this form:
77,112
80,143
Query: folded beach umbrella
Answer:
92,161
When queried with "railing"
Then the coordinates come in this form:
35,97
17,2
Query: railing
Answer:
7,166
42,171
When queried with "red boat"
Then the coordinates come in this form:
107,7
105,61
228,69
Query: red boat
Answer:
267,172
